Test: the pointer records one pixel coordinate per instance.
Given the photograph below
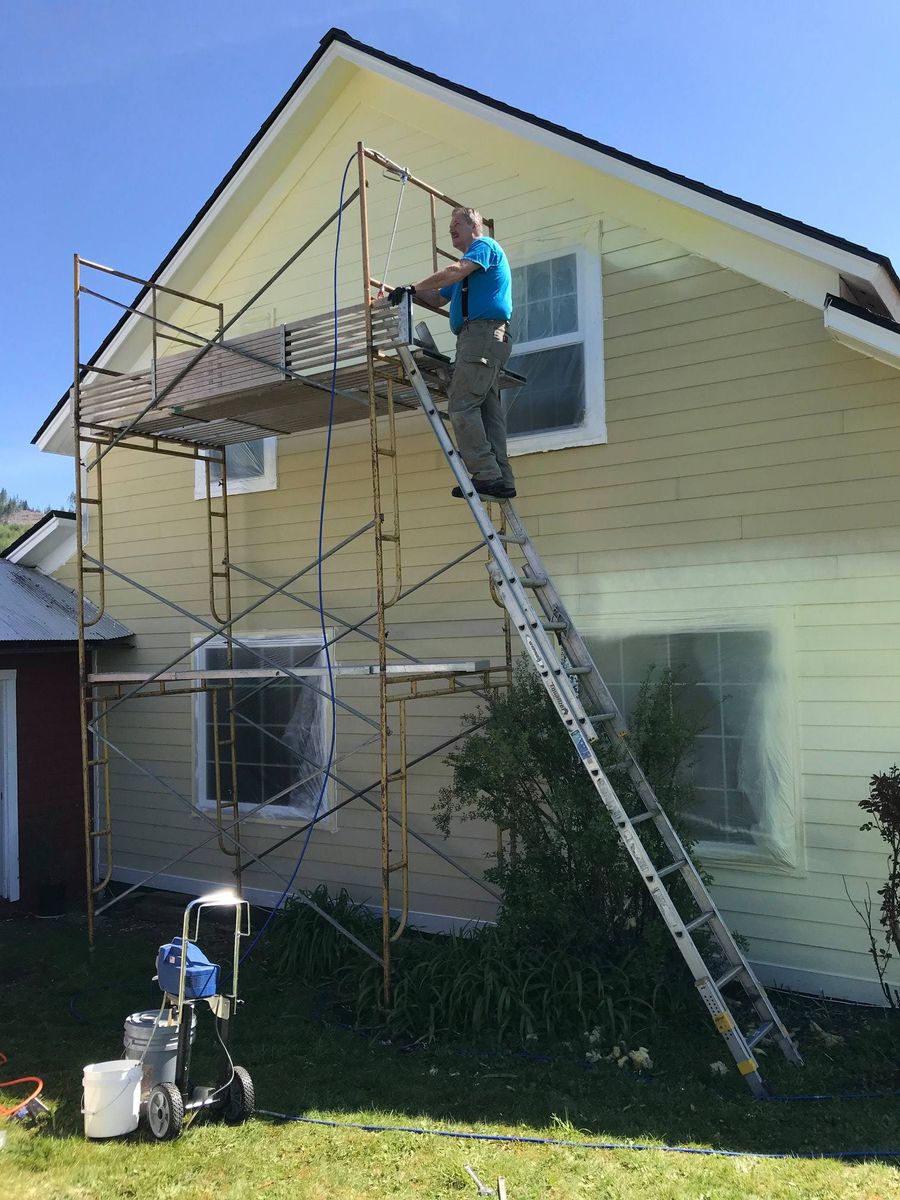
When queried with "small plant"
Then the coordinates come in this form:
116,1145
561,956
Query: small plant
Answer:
883,806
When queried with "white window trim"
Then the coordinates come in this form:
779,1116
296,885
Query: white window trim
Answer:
592,430
279,814
9,809
267,482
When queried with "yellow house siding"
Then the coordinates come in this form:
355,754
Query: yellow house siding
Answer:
749,474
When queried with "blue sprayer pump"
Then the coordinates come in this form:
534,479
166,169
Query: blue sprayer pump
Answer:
201,976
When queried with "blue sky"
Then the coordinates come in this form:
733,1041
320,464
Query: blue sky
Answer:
119,118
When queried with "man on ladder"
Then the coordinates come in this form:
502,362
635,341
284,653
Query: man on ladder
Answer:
479,288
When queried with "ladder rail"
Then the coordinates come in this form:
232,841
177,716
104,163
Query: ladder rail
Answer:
577,651
508,587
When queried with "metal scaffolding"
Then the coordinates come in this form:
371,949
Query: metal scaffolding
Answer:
308,374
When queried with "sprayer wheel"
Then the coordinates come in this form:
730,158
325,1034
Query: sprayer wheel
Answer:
165,1112
240,1100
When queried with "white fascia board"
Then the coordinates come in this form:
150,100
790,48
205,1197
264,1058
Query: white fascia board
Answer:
794,241
863,336
59,436
48,548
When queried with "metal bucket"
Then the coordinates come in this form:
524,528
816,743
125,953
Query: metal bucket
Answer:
157,1044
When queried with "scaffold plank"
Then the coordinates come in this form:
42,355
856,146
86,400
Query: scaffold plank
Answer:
393,671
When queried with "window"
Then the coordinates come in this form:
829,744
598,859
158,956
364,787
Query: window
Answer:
251,468
283,729
557,346
741,773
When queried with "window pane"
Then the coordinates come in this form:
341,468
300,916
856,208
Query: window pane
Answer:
545,299
565,314
553,397
245,460
564,275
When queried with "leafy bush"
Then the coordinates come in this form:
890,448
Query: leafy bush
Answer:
883,807
566,879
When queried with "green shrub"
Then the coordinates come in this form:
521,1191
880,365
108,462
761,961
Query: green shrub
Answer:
577,946
565,877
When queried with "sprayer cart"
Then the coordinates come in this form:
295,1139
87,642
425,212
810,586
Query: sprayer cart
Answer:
187,977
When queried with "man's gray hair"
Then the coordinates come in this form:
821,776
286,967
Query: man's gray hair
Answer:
472,215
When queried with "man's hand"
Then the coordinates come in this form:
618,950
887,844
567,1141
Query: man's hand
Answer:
395,295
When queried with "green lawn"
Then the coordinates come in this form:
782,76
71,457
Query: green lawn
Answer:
63,1008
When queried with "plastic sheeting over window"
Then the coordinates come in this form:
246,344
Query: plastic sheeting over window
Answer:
245,460
548,348
553,397
281,732
734,681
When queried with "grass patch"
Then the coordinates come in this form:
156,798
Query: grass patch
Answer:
63,1008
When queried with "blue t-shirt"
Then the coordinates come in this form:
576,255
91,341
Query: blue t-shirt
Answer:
490,287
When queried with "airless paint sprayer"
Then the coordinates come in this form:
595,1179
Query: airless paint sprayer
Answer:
187,977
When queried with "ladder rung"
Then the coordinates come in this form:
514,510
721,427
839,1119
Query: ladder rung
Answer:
641,817
672,868
690,926
579,670
554,626
729,975
592,717
510,539
757,1037
534,581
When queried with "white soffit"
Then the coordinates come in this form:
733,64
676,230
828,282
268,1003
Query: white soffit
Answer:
866,336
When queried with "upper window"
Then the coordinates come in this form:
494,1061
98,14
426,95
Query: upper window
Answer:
557,345
282,729
251,468
740,774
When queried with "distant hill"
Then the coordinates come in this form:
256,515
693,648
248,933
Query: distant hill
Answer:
14,523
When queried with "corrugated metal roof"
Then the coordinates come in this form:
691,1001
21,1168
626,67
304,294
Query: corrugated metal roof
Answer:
36,608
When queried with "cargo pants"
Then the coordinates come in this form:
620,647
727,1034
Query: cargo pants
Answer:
476,410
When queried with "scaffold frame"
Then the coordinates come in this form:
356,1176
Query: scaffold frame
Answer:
156,411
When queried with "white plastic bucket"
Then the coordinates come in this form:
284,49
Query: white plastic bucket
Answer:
112,1098
157,1044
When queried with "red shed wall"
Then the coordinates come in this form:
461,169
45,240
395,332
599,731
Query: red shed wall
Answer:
51,837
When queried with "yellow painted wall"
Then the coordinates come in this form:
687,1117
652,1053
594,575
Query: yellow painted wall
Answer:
751,467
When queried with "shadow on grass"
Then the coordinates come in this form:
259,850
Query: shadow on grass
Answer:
66,1007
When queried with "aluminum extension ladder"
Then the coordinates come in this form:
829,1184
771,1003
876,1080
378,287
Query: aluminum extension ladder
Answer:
537,624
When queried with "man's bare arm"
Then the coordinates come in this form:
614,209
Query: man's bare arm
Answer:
427,290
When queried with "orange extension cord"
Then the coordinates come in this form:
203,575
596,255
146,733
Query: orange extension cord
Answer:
5,1110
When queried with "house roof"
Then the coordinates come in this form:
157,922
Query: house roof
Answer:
38,528
35,609
338,37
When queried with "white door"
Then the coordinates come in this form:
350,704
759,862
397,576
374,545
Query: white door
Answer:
9,796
